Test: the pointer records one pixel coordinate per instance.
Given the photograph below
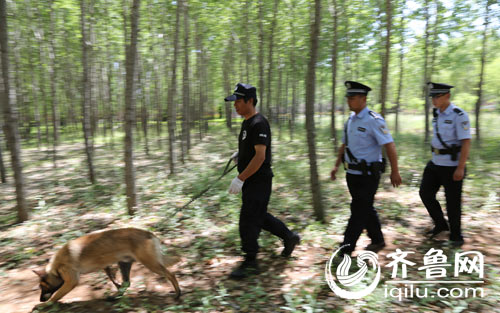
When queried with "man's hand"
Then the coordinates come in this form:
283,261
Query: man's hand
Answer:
333,173
235,186
395,178
459,173
234,157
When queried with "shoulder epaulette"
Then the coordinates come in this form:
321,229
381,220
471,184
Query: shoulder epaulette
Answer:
374,115
458,111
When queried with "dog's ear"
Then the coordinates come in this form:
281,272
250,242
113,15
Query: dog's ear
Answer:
40,272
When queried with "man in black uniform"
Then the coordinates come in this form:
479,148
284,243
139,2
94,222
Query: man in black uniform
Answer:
255,180
450,149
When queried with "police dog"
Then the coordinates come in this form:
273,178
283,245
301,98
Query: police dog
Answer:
99,250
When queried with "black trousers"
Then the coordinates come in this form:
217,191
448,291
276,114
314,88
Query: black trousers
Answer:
254,216
363,214
434,177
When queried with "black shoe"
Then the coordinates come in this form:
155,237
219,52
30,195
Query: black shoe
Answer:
343,251
247,267
290,244
375,247
457,243
436,231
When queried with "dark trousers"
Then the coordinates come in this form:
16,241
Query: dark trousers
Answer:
254,216
363,215
434,177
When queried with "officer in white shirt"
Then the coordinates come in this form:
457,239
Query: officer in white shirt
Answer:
365,133
450,149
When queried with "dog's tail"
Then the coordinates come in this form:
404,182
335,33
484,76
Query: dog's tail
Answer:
171,259
168,259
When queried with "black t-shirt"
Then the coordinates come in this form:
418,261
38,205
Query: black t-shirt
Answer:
255,131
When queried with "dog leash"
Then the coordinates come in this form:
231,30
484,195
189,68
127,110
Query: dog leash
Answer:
227,169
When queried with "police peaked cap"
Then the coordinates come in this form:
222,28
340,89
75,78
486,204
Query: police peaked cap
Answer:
438,89
241,91
355,88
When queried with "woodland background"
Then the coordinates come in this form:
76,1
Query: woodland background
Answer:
112,115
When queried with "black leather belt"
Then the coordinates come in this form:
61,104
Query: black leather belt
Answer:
446,151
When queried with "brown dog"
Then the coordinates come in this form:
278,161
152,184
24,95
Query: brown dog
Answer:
98,251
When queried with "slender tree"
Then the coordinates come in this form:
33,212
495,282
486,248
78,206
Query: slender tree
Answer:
261,86
9,109
270,64
477,108
310,128
186,105
89,145
53,81
335,16
131,62
172,93
426,68
401,67
3,175
387,55
293,67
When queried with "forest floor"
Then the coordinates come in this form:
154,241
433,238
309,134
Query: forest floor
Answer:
205,234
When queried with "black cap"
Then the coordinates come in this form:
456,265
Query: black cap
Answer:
438,89
243,91
355,88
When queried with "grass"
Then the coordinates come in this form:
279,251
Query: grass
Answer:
66,206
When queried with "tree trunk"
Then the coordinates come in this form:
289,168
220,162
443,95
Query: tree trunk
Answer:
293,66
270,64
261,86
53,81
41,58
109,82
171,95
426,71
34,82
387,56
226,73
200,59
3,175
89,145
131,61
8,103
401,69
477,109
247,51
279,97
311,137
186,120
333,130
94,112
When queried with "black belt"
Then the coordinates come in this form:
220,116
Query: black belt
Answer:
452,151
374,167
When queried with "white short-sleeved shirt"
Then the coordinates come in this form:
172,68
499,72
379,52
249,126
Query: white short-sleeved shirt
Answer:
454,126
367,133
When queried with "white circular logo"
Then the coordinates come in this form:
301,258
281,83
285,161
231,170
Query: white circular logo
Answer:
244,136
349,280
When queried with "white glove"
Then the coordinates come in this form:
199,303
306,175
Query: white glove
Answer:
235,157
235,186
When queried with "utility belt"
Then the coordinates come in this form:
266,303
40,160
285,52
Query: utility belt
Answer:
453,151
375,168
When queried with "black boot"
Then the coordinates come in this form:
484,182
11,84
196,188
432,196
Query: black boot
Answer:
290,244
437,230
245,268
375,247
